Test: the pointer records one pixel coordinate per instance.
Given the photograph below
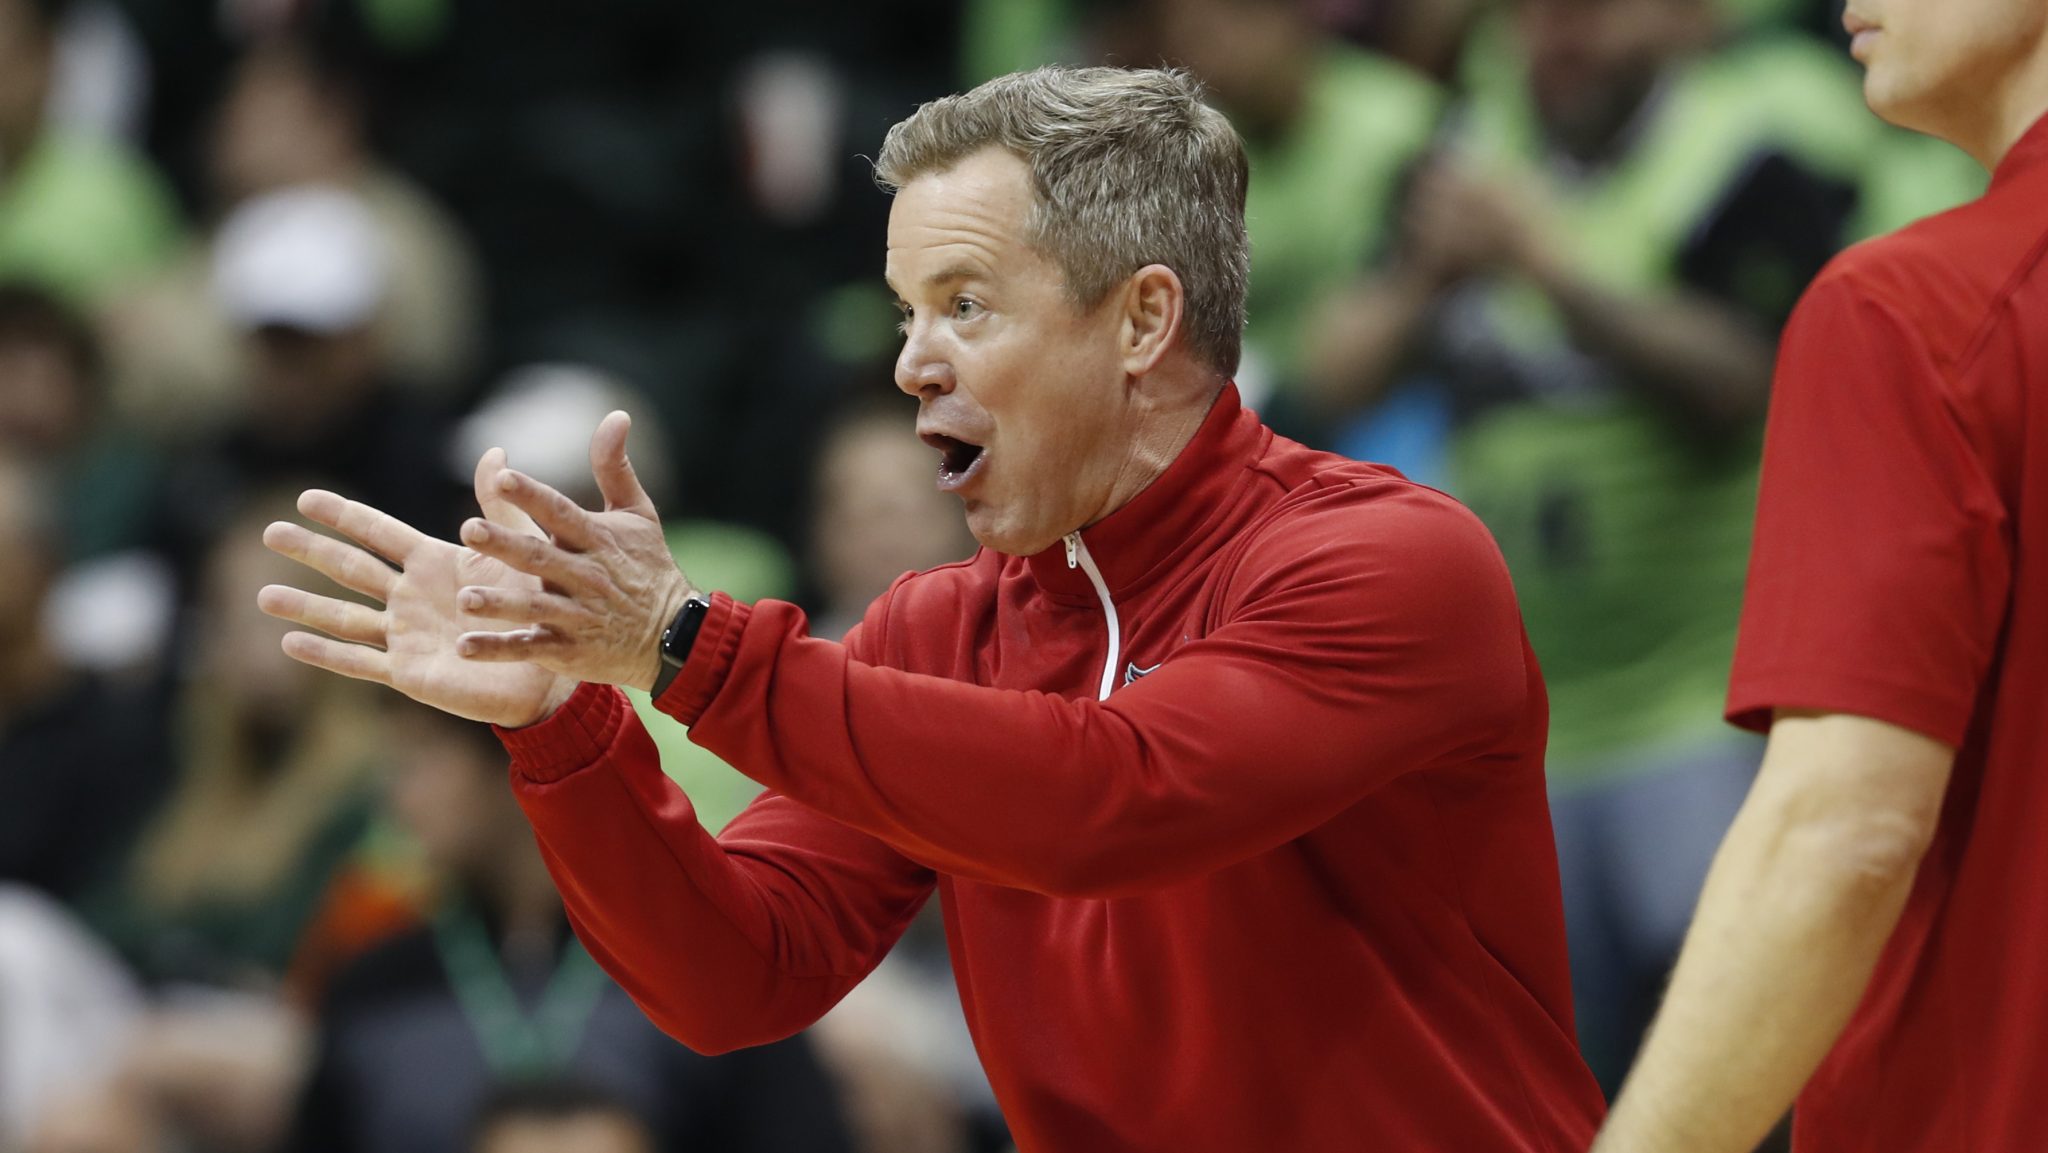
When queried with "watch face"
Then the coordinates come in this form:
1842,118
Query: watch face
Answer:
681,633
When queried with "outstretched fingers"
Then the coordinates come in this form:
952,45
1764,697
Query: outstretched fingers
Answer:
358,661
344,564
336,618
533,606
382,533
533,555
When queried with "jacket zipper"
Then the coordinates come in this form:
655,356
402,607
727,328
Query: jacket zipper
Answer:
1077,557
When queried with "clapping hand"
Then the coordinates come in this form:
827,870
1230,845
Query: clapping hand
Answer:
602,585
409,643
544,596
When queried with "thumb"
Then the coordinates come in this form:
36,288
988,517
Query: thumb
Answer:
615,476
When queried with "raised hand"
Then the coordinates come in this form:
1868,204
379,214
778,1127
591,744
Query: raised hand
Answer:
410,643
601,587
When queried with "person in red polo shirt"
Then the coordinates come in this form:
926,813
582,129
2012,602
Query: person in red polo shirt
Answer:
1875,927
1224,756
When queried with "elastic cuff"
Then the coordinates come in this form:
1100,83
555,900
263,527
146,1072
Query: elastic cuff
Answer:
577,736
718,642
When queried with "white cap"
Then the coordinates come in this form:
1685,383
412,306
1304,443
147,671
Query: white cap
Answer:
542,415
308,258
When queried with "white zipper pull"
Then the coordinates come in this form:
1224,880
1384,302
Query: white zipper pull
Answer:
1077,557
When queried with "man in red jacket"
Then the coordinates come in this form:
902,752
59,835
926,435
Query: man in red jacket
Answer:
1224,756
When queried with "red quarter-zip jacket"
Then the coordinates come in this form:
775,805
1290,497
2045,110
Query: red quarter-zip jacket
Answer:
1234,802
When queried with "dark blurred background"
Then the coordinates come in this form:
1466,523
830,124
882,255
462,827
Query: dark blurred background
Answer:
1534,252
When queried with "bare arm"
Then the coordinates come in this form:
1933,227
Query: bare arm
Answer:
1702,356
1802,897
1362,334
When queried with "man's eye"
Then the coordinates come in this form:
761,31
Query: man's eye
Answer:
965,309
903,325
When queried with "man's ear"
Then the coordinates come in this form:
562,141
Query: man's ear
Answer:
1154,307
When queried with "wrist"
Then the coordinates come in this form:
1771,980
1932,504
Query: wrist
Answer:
674,596
679,640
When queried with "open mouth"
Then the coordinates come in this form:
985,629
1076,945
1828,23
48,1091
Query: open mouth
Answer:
958,460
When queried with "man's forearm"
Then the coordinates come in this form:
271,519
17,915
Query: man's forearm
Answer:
1699,355
1796,910
1354,347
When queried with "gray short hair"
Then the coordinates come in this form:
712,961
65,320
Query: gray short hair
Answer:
1129,168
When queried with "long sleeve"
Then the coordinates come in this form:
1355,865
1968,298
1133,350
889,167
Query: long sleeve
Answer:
723,942
1370,633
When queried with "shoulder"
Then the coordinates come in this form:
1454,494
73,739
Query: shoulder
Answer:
1345,521
1324,492
1944,279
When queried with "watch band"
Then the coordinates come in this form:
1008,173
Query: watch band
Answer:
678,639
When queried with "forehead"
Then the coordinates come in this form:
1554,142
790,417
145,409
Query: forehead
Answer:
968,219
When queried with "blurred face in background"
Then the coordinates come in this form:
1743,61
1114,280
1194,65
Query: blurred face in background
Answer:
303,383
1591,63
44,395
25,62
591,1132
447,788
26,565
1942,66
1251,53
1020,390
280,125
878,513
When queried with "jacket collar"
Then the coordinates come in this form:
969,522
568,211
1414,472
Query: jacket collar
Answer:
1168,517
2027,155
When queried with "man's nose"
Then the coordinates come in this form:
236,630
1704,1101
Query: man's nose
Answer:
920,370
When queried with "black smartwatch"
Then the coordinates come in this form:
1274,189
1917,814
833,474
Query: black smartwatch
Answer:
678,639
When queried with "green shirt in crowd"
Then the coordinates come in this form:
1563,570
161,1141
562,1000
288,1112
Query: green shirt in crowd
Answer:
1627,526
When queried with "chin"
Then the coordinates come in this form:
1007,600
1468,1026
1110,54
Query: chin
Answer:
993,534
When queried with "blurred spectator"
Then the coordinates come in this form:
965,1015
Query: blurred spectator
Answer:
899,1040
52,408
1584,302
82,758
290,120
67,1010
877,513
78,212
558,1117
1330,131
302,274
497,988
1427,35
276,767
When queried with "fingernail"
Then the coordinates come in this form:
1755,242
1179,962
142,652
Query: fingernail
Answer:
472,599
508,480
473,530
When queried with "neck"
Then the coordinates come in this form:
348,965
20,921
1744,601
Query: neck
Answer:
2021,106
1164,428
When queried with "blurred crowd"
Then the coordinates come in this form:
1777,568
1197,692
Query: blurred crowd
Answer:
1533,252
